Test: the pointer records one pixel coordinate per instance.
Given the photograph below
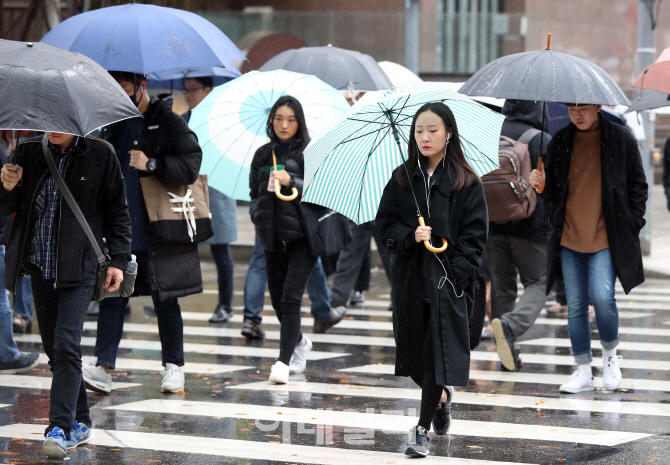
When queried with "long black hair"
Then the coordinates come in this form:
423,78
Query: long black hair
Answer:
462,173
301,138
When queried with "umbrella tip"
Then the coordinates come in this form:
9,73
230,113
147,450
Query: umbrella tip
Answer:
549,41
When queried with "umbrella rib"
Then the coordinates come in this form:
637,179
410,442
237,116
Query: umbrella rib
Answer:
365,169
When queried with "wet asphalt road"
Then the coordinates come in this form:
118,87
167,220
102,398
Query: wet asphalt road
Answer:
348,407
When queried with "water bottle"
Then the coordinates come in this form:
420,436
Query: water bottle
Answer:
132,266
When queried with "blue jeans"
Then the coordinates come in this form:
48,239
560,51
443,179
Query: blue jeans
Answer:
23,299
8,349
590,278
224,271
254,288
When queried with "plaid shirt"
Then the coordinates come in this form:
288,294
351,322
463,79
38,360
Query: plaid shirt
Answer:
42,245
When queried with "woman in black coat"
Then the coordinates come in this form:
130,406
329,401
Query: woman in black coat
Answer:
280,229
434,293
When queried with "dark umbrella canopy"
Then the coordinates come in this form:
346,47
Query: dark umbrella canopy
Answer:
545,76
43,88
343,69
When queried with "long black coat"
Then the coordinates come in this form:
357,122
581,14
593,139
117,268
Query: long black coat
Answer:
93,175
174,269
462,218
624,197
275,218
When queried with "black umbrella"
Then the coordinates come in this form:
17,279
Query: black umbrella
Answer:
343,69
43,88
545,76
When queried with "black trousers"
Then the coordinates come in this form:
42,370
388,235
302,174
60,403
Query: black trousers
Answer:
424,375
61,313
288,269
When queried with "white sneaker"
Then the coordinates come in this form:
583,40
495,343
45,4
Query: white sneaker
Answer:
173,379
611,373
298,360
95,377
279,373
578,382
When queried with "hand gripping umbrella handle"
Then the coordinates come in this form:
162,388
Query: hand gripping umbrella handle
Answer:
540,166
278,193
427,243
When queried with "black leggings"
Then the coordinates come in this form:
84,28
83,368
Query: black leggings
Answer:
430,390
288,269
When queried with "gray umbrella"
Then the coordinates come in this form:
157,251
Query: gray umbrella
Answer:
645,99
343,69
43,88
545,76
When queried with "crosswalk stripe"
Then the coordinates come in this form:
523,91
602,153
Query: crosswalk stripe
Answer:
623,345
385,422
44,382
569,360
5,405
471,398
269,335
235,448
241,351
345,324
521,377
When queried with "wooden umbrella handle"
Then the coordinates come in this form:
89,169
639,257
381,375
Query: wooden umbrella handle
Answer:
278,193
427,243
540,166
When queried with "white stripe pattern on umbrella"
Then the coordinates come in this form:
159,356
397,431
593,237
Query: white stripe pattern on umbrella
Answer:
349,164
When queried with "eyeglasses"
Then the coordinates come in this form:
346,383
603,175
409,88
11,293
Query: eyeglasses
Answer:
192,90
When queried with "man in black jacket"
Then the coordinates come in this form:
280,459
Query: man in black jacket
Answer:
159,145
518,247
48,242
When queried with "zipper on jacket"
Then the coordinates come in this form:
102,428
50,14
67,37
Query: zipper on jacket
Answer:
60,215
23,244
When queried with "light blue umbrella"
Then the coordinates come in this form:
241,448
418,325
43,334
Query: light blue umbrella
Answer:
144,39
173,79
230,122
347,168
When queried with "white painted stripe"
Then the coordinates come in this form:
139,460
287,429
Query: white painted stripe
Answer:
472,398
214,331
156,365
384,422
5,405
44,382
240,351
246,450
623,345
569,360
623,315
345,324
655,289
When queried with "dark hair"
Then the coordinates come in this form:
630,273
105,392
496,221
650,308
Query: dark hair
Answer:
205,81
462,172
301,138
124,76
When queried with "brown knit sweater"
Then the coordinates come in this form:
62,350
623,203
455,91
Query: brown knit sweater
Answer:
584,227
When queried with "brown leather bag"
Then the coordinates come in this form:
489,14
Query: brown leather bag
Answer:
509,195
177,214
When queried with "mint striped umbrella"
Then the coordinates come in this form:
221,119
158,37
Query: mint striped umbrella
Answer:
230,122
348,166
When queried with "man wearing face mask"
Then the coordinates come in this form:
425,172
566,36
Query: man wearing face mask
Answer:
598,191
161,145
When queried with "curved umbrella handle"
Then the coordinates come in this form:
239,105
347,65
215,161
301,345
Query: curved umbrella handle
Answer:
540,166
427,243
278,193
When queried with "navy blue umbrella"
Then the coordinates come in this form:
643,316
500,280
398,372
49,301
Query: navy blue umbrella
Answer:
144,39
174,79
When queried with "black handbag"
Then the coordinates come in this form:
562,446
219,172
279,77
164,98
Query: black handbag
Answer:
327,231
127,286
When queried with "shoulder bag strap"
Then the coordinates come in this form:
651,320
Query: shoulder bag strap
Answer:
529,135
103,258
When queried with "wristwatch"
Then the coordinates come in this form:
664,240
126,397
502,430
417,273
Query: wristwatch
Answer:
151,165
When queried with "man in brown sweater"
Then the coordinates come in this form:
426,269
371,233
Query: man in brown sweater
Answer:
598,191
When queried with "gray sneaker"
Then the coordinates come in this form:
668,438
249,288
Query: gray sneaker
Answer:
26,361
336,315
418,443
358,298
96,379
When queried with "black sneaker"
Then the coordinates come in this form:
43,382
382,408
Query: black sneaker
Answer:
22,324
442,418
418,443
505,344
252,330
221,314
358,298
26,361
336,315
